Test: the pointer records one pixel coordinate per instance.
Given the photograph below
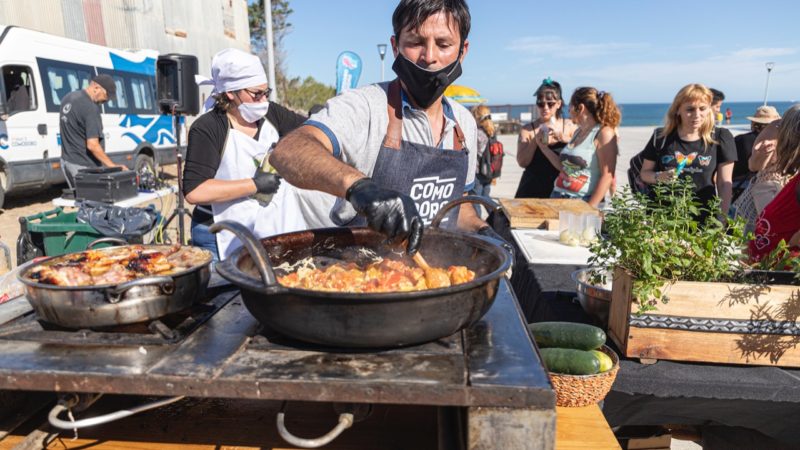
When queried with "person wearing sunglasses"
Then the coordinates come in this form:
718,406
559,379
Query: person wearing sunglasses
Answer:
227,145
539,175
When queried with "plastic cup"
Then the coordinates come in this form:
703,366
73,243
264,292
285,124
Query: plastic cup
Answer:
591,225
567,228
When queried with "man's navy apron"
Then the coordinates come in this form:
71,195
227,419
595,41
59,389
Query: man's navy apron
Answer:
431,176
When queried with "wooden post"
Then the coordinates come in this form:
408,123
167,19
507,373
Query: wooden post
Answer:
621,300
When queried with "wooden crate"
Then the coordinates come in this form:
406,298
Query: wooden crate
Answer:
542,212
710,322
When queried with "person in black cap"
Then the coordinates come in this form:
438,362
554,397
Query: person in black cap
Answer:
81,127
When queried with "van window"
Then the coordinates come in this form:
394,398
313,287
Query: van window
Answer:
120,103
141,93
19,92
60,78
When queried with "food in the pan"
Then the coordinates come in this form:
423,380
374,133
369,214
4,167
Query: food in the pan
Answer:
385,276
117,265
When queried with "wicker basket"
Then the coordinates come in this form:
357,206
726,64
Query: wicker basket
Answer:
585,390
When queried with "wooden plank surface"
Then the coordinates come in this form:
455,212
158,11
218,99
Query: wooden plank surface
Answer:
542,212
756,303
583,428
620,309
731,301
725,348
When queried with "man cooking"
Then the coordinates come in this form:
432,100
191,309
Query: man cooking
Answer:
391,155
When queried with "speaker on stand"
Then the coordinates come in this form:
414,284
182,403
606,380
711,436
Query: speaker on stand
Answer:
178,95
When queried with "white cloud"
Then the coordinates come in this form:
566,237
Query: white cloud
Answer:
558,47
761,53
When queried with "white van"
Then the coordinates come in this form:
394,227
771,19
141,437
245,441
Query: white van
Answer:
38,70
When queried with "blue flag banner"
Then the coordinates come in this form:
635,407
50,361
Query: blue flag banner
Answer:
348,69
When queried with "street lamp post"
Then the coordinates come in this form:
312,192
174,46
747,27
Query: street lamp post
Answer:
382,52
770,66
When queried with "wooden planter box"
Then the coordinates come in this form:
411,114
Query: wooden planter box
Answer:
710,322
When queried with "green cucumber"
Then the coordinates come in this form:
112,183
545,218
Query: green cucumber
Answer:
567,335
570,361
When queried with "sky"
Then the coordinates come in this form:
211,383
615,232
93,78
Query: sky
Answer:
642,51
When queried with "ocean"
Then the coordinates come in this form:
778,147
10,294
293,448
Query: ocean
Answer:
648,114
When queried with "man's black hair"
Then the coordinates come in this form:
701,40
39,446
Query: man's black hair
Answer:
718,96
412,13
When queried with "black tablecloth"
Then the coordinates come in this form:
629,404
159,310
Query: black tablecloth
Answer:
766,399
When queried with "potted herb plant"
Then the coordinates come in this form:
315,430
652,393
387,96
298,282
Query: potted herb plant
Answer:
680,289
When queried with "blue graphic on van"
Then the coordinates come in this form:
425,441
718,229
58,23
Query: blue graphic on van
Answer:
146,67
3,141
132,120
158,129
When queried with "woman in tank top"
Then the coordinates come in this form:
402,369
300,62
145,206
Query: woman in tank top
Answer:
539,175
586,165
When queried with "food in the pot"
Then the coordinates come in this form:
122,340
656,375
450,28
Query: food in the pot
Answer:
117,265
385,276
577,336
570,361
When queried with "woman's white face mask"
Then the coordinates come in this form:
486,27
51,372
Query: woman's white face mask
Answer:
252,112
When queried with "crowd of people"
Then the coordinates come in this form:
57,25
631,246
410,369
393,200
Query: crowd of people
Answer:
391,155
754,175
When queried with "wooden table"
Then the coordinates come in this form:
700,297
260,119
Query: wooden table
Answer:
583,428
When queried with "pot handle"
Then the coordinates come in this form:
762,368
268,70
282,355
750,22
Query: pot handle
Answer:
114,294
250,242
67,405
345,421
113,240
485,201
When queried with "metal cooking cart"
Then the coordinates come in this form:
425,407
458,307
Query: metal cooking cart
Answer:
491,372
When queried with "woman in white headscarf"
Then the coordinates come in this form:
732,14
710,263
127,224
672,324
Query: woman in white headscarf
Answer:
226,146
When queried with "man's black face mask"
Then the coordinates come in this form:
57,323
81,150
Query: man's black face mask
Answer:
423,85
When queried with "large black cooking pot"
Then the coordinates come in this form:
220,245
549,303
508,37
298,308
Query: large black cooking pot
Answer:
356,319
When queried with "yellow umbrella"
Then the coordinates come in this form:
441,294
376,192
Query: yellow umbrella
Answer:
464,95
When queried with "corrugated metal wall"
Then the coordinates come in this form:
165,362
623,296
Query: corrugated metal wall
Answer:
197,27
42,15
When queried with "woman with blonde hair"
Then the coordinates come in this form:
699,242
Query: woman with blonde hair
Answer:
586,165
691,146
486,131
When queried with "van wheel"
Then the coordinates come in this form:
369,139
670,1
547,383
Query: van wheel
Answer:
144,163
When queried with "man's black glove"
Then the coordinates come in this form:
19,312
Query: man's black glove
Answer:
490,233
266,183
388,212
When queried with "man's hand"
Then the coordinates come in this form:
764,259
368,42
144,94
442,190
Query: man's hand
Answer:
388,212
266,183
